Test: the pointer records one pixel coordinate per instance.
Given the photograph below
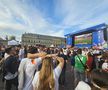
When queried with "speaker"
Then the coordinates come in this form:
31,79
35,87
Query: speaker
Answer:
105,34
73,41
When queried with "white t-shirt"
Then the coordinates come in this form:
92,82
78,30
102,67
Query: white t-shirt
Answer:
29,73
6,56
84,53
57,72
105,66
21,54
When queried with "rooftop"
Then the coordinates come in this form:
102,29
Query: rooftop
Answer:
94,28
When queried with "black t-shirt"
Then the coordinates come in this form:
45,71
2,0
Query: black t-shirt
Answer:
11,64
65,58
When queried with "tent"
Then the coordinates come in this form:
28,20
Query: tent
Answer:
52,46
13,42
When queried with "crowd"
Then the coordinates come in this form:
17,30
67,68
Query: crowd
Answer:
43,68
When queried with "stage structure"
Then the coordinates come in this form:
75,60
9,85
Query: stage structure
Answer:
96,35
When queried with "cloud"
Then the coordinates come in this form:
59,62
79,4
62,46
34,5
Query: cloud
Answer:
80,13
12,26
56,17
20,17
59,33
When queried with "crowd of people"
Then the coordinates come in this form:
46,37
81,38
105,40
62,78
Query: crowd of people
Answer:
43,68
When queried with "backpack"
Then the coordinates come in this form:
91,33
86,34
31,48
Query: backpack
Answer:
14,66
3,70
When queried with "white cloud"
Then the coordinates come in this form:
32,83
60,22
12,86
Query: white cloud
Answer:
31,19
12,26
59,33
20,16
82,12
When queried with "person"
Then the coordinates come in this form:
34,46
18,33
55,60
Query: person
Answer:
47,77
99,80
6,55
48,51
72,58
62,80
79,69
25,51
21,52
91,61
85,51
2,52
105,64
91,65
10,70
28,67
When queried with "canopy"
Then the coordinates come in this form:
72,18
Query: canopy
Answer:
52,46
13,42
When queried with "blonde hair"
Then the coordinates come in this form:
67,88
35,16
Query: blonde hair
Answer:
46,77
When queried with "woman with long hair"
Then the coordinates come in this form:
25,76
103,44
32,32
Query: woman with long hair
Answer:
28,66
47,78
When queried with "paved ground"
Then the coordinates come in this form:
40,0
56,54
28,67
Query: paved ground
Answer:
69,80
1,84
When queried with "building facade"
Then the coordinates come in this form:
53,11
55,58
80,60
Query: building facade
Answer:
3,42
37,39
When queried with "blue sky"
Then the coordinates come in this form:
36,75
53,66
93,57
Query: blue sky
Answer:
50,17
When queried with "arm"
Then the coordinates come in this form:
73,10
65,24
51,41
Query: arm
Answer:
61,62
59,68
51,55
32,56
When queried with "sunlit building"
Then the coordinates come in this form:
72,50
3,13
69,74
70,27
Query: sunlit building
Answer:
37,39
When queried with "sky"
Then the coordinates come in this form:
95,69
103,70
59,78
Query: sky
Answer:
50,17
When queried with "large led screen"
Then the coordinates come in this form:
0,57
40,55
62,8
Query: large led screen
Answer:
83,39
